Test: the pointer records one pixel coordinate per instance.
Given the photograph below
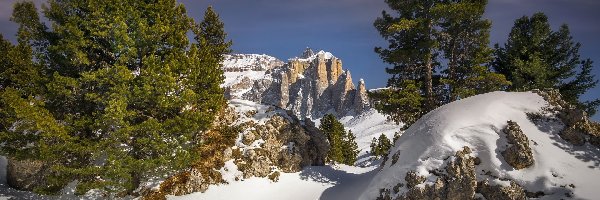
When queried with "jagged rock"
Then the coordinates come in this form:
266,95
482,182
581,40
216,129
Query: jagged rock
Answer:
287,145
512,192
308,52
460,181
519,154
309,86
578,128
25,174
412,179
457,181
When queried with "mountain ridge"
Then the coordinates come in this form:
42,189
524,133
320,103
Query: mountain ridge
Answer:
311,85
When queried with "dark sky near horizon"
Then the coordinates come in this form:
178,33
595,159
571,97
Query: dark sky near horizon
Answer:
344,27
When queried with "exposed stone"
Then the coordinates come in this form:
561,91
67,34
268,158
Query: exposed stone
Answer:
287,145
457,181
460,180
578,128
25,174
412,179
518,154
512,192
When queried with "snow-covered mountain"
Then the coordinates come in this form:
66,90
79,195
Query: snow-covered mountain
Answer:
310,86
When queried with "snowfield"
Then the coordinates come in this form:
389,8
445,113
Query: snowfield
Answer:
475,122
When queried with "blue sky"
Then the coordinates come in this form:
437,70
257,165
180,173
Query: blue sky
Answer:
344,27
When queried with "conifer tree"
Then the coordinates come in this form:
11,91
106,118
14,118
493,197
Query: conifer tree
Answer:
423,36
535,57
350,148
126,95
334,130
380,146
464,39
412,49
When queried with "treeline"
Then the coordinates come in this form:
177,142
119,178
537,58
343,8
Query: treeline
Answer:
112,95
440,52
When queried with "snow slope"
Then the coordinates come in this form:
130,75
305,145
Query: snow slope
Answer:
368,125
316,182
476,122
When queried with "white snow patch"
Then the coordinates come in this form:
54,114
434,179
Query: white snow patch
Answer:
230,172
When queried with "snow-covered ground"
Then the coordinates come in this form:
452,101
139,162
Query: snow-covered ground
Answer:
476,122
318,182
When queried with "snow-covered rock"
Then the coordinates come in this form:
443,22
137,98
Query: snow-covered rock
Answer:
310,86
434,143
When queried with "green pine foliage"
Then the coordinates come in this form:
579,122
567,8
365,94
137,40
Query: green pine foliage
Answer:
401,103
431,35
464,39
535,57
114,94
350,148
342,144
380,146
412,47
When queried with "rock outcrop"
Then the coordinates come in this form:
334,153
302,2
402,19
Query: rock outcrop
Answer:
518,154
456,181
25,174
310,86
578,129
489,191
257,146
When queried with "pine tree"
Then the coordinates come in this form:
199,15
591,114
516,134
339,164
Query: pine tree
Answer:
334,130
412,46
535,57
350,148
423,36
380,146
464,40
127,95
402,104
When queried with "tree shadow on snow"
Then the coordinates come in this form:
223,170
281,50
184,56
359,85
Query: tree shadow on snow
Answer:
346,186
586,153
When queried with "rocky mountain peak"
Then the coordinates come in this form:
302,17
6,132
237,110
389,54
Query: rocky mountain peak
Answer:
308,52
309,86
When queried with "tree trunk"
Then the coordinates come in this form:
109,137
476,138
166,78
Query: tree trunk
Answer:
429,102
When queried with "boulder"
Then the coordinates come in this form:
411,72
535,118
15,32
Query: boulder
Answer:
512,192
518,154
25,174
456,181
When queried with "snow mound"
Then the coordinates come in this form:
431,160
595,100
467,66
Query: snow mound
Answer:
476,122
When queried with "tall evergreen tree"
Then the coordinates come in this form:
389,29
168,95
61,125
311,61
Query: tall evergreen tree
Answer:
423,36
413,47
535,57
350,148
128,95
334,130
464,40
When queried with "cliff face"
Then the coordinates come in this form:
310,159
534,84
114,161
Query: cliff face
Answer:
309,86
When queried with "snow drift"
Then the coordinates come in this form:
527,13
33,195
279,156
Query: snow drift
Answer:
560,169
